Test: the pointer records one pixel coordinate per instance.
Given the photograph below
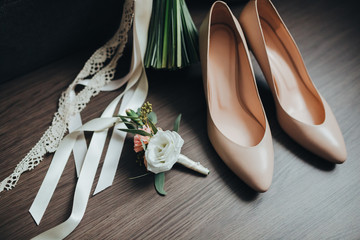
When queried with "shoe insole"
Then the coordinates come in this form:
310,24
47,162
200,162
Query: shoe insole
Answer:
227,111
294,96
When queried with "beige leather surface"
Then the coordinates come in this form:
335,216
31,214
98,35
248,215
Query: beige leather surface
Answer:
301,111
237,126
294,96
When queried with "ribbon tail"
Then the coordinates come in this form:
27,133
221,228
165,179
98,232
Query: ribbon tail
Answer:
82,190
133,98
80,147
117,140
52,177
58,163
111,161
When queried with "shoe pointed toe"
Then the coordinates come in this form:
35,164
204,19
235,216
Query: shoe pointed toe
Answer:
257,169
259,177
254,165
334,151
324,140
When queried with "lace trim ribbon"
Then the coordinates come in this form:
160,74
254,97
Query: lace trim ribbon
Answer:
97,76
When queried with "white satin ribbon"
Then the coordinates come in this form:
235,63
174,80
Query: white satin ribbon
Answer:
133,98
80,147
118,137
58,163
134,95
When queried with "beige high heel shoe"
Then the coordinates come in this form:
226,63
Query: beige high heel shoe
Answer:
302,112
236,122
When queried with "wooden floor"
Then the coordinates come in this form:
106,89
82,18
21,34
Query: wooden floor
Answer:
309,197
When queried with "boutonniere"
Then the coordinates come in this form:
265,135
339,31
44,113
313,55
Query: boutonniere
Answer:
157,149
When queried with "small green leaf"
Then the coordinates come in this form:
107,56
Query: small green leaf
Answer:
131,112
152,117
143,144
153,127
135,131
177,123
128,124
159,183
134,116
130,117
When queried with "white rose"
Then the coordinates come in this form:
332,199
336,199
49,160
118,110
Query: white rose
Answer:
163,151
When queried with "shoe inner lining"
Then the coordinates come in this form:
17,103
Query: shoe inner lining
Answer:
226,71
294,95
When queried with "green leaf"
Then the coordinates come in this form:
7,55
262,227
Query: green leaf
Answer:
179,39
136,131
177,123
159,183
166,33
153,127
130,117
143,144
128,124
134,117
131,112
152,117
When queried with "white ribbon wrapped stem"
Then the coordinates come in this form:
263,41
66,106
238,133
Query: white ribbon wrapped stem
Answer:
196,166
